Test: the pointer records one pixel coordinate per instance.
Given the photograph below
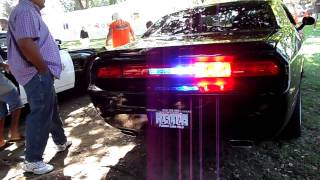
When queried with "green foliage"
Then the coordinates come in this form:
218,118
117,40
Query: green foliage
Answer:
7,6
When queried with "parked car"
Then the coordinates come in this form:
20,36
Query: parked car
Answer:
236,65
74,68
82,59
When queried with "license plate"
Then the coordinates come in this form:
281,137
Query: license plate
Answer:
170,118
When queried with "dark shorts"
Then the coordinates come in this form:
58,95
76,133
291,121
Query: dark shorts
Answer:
9,102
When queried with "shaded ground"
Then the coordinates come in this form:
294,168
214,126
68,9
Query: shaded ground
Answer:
95,148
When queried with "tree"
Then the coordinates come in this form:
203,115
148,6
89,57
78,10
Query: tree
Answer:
73,5
7,7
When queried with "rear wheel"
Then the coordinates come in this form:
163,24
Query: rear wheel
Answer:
293,128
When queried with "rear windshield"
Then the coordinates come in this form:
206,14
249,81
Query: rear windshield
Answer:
236,16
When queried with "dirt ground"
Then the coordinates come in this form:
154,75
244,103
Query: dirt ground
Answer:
96,146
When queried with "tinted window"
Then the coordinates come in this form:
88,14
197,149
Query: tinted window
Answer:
223,17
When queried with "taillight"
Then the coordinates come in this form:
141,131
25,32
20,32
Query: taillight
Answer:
109,72
208,73
255,68
135,71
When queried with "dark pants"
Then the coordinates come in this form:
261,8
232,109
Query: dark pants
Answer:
43,118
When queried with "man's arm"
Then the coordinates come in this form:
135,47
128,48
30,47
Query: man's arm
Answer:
109,36
32,54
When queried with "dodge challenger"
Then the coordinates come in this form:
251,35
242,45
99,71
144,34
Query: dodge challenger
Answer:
232,66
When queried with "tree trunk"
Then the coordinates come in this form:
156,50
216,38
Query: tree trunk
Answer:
87,4
80,4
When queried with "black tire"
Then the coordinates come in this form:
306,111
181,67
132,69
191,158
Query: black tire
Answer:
293,128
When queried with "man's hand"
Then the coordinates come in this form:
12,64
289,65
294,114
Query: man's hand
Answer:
43,71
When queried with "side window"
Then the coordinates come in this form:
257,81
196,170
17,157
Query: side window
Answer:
289,15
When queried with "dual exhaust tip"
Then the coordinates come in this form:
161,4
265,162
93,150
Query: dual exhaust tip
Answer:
241,143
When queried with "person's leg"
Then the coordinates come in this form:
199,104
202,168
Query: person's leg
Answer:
2,142
38,121
57,130
14,130
38,124
13,100
3,113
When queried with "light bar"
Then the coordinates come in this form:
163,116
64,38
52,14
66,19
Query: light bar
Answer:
198,70
187,88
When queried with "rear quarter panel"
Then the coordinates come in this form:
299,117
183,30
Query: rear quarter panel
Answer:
289,47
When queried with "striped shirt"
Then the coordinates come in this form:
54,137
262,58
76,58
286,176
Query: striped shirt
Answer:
25,21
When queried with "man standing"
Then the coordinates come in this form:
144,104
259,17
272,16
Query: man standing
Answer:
9,96
84,38
34,60
119,31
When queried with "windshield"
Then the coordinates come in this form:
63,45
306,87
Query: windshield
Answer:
241,16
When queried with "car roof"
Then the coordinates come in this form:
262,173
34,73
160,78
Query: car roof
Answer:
217,2
213,2
226,1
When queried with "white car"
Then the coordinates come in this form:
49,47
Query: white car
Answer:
67,77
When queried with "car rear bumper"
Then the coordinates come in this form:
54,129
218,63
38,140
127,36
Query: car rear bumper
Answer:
239,116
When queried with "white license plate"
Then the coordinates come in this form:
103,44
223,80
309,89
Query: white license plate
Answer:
171,119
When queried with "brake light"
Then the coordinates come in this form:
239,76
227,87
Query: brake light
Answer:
109,72
135,71
257,68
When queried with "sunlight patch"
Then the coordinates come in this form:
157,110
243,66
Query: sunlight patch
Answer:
115,153
96,131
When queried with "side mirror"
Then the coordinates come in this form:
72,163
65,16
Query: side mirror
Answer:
306,21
